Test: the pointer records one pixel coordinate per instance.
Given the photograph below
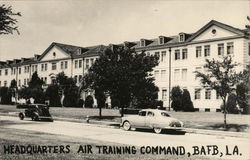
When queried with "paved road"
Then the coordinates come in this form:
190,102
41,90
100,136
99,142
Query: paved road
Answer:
140,138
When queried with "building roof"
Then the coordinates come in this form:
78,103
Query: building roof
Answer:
81,52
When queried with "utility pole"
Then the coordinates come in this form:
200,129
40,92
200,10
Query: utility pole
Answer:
169,81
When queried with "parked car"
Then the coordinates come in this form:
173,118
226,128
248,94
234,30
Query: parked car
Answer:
35,112
151,118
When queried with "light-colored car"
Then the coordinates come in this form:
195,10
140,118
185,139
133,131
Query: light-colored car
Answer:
153,119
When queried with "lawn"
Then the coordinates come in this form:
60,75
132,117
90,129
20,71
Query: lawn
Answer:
25,138
199,120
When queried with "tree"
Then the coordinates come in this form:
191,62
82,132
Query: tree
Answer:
7,22
89,101
5,95
69,90
52,94
187,104
243,91
176,97
247,26
34,90
120,70
13,89
221,77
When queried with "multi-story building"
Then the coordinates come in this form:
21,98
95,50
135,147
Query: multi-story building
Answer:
179,57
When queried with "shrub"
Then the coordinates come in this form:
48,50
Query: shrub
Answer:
231,105
52,95
71,97
80,103
187,104
5,95
89,101
242,90
176,97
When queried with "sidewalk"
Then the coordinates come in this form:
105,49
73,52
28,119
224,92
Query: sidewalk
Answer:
116,125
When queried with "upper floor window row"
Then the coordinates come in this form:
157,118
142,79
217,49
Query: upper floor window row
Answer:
161,55
220,49
177,54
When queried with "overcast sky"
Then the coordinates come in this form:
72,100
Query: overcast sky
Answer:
94,22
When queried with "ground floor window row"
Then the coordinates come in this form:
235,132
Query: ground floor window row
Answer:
198,94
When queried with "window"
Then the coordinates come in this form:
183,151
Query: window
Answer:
182,37
184,74
197,93
75,78
161,40
76,63
53,67
19,70
198,51
5,83
61,65
197,69
32,68
80,78
65,64
45,80
207,50
157,54
35,67
208,94
217,95
163,74
177,74
80,63
24,83
163,56
42,67
164,94
184,53
14,71
46,67
91,61
19,82
150,114
87,63
142,43
249,49
230,48
6,72
221,49
11,71
28,69
25,69
142,113
177,54
0,72
156,74
0,83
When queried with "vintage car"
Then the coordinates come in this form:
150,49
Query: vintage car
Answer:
151,118
35,112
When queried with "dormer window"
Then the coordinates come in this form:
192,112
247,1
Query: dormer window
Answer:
161,40
181,37
79,51
143,43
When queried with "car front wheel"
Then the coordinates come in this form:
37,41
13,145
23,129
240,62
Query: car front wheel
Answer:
157,130
126,126
21,116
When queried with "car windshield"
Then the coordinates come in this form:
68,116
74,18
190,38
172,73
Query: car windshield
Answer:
165,114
